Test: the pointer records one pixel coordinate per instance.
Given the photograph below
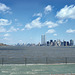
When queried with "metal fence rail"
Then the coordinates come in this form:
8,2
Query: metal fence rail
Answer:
46,60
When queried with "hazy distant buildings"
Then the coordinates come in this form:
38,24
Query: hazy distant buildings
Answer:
1,44
55,43
43,39
20,44
48,43
71,42
60,43
68,44
64,43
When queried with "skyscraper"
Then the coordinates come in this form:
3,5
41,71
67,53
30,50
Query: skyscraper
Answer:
71,42
48,43
43,39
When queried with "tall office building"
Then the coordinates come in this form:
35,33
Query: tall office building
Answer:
59,42
65,43
48,43
68,43
43,39
71,42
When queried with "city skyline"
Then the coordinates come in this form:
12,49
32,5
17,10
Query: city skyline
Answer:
50,42
24,21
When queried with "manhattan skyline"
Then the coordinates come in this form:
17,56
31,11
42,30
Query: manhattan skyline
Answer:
24,21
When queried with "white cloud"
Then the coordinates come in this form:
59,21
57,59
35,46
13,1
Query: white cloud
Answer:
34,24
22,29
50,24
47,9
4,8
12,29
4,22
7,39
37,24
28,26
55,34
6,35
70,31
61,21
50,31
2,29
38,14
66,12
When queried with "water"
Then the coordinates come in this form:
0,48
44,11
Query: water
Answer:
36,52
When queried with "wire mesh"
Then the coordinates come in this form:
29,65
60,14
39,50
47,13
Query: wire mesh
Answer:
45,60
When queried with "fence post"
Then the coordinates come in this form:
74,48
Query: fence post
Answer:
2,60
25,61
46,60
66,60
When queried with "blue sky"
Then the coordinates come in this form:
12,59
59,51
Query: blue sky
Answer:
24,21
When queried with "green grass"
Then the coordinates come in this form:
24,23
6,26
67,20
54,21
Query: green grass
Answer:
36,69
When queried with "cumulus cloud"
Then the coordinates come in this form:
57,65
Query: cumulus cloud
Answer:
70,31
6,35
66,12
2,29
50,24
5,38
34,24
12,29
22,29
50,31
38,14
4,22
28,26
47,9
62,21
4,8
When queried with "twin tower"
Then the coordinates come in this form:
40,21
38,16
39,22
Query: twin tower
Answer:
43,39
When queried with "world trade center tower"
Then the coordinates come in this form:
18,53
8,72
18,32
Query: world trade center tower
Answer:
43,39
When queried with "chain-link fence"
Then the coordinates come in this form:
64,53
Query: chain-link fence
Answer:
47,60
